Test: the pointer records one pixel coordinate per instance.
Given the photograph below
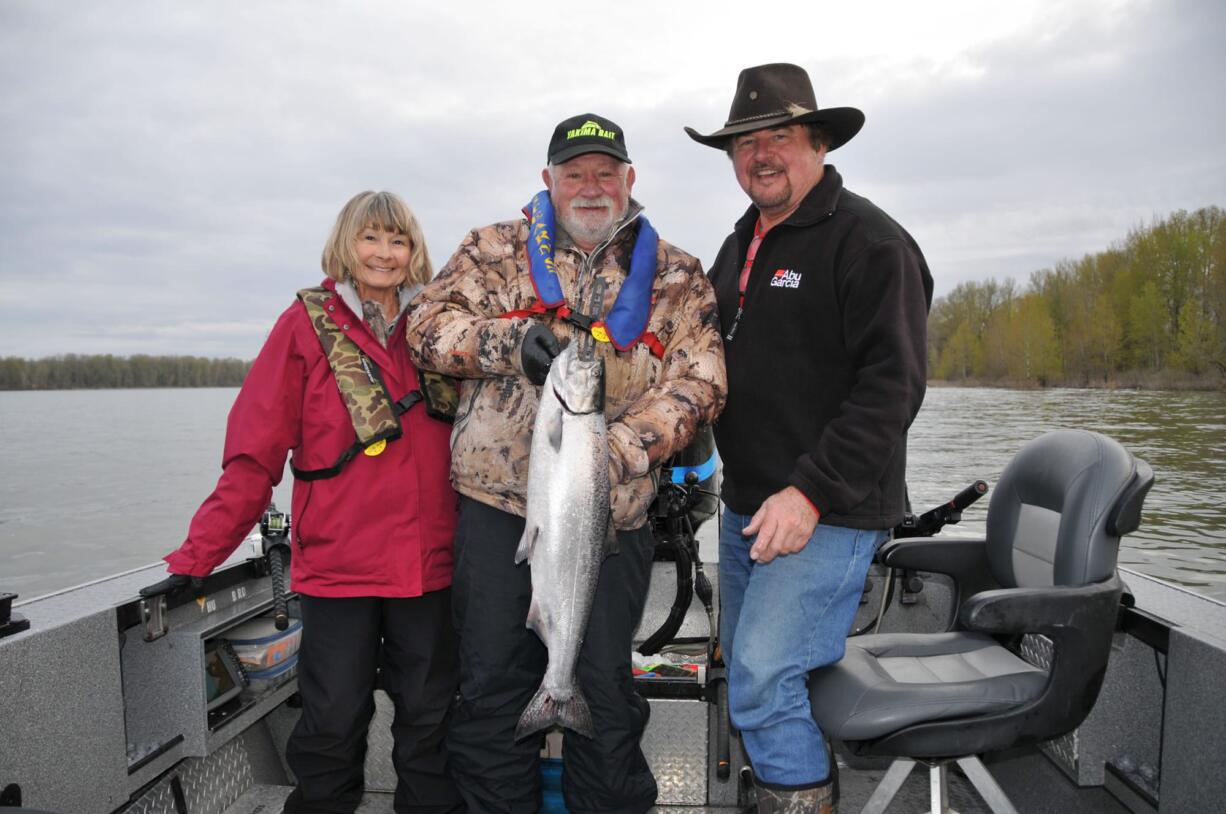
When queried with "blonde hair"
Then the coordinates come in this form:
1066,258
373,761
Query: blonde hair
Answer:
384,211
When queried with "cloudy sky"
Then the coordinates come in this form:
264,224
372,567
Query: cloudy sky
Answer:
169,171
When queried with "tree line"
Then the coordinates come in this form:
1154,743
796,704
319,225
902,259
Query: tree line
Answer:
72,371
1148,311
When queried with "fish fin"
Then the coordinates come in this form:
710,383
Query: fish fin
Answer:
527,543
543,712
534,621
611,546
553,428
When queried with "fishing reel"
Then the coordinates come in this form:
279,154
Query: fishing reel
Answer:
686,497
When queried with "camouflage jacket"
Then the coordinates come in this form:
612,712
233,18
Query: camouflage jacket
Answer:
653,405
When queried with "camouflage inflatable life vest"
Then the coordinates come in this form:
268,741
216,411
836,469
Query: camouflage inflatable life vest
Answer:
375,415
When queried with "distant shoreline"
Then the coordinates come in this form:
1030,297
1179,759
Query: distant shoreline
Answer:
1147,380
108,372
121,387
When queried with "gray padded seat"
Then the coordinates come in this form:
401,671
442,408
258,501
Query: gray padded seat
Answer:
1046,567
890,681
1048,517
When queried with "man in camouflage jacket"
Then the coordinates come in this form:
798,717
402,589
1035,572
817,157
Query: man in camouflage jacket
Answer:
481,320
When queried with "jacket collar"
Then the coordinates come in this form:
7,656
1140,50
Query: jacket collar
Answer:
349,300
821,201
349,295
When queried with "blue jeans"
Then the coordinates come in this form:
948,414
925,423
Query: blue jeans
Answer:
779,621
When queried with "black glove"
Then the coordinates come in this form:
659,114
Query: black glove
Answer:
172,585
537,352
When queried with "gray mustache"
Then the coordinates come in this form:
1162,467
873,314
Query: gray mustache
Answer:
603,202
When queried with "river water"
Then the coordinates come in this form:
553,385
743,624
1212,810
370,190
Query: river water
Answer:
101,481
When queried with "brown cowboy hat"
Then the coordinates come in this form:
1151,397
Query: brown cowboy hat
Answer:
775,95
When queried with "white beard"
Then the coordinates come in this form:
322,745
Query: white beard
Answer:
585,230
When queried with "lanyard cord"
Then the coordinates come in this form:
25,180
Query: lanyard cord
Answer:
743,280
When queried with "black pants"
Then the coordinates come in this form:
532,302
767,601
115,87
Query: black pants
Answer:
413,644
502,664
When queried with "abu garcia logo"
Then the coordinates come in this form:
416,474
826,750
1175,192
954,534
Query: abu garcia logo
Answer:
590,128
785,278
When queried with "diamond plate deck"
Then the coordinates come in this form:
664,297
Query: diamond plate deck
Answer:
380,774
270,799
676,747
1039,650
210,785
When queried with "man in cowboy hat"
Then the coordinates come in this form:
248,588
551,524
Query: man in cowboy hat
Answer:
823,302
583,264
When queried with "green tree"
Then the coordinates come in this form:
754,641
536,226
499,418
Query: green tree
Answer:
1032,353
1147,327
1195,349
963,354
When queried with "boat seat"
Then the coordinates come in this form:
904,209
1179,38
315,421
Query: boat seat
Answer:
897,680
1046,568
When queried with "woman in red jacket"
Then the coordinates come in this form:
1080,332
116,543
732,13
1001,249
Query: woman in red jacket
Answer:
373,512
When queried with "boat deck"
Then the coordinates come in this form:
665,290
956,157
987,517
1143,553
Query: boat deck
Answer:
73,692
1021,775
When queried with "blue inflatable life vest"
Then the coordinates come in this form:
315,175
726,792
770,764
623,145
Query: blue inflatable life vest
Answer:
626,323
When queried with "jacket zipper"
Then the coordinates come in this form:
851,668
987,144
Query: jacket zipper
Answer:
586,267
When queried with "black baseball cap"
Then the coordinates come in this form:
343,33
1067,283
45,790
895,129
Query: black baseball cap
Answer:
587,133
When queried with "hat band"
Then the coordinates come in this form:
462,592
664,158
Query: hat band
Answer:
792,113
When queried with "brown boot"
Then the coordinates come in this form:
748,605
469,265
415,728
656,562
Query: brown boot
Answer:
817,799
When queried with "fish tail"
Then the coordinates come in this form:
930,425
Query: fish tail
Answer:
543,712
576,716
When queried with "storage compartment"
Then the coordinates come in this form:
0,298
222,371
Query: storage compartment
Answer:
246,662
189,690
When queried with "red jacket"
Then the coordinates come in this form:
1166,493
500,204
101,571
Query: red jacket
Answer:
383,526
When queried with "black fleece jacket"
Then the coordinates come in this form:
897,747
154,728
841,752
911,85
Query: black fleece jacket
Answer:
827,365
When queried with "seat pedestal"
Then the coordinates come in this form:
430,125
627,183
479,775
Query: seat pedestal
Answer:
938,786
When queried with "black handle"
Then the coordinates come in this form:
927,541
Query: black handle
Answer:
723,741
969,495
276,565
932,521
702,586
